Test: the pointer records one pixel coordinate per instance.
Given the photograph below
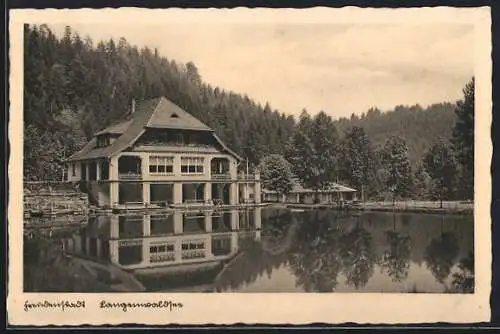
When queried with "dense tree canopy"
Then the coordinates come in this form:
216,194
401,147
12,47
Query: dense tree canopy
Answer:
93,86
75,87
394,157
357,160
441,165
463,140
276,174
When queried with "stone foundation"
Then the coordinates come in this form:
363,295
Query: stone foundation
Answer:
54,199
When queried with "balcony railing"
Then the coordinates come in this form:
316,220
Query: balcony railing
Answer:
223,176
129,176
246,177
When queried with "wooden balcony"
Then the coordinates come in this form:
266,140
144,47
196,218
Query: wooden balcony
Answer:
129,176
246,177
223,176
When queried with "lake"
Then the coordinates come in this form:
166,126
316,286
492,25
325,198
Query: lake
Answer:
258,250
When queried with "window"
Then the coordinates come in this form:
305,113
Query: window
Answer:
161,253
179,139
161,248
84,171
161,165
73,169
103,140
192,165
193,250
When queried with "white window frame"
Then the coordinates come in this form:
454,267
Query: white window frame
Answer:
163,161
198,164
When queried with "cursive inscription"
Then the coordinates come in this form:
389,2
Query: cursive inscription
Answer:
124,306
62,305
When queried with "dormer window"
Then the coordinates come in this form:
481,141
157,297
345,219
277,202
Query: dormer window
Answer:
103,140
174,115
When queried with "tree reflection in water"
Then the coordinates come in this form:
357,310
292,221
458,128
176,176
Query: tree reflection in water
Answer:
358,257
245,269
315,259
395,262
440,255
464,280
275,230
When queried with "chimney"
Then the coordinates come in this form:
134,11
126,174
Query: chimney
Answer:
133,106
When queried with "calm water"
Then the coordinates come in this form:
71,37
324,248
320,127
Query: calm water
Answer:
265,250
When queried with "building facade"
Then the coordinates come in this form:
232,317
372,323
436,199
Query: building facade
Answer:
160,155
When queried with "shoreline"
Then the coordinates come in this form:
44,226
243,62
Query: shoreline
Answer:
451,208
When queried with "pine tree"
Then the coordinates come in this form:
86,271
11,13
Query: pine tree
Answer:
463,139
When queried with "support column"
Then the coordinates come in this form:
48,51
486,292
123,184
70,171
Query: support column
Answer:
146,225
178,223
177,193
235,220
113,194
207,192
98,248
208,222
145,251
258,235
98,170
234,242
146,199
257,218
233,169
246,185
178,250
114,227
208,247
113,186
233,193
257,188
297,200
257,192
113,251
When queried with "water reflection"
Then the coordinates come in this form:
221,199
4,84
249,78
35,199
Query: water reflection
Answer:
168,251
271,250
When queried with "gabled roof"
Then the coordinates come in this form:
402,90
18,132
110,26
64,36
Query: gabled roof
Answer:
159,113
170,116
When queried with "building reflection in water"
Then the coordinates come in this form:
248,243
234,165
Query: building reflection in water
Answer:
158,244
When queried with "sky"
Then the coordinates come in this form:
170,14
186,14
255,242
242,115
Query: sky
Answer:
338,68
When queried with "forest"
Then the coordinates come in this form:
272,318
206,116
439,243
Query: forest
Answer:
74,87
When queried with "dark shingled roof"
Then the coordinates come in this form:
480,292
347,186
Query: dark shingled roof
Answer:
170,116
155,113
116,128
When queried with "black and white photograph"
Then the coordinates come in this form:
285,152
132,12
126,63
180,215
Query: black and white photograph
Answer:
251,157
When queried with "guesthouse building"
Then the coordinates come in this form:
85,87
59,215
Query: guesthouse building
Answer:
335,193
160,155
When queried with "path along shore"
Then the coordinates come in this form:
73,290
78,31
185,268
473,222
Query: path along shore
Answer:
448,207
